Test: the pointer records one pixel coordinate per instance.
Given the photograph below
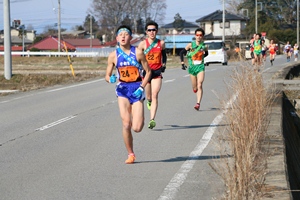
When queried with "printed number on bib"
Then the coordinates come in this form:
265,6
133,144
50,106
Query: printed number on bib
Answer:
257,48
128,73
153,57
197,58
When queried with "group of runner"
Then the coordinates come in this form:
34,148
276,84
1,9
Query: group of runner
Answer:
290,50
259,50
139,76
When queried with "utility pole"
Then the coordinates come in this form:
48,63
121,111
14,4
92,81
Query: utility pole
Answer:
58,26
255,16
91,32
223,36
298,22
7,40
23,43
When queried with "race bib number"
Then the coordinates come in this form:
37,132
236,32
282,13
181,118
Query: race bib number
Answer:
257,48
129,73
153,57
197,58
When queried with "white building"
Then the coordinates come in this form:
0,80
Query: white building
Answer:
213,25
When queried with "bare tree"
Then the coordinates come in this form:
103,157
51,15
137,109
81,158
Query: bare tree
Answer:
232,6
111,13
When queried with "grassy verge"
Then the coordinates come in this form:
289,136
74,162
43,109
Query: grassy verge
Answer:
243,168
31,73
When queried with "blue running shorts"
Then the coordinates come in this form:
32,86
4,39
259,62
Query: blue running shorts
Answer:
127,89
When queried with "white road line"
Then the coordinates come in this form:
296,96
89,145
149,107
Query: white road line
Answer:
55,123
53,90
72,86
266,69
167,81
8,91
178,179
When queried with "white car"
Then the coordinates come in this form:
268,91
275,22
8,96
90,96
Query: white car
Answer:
216,52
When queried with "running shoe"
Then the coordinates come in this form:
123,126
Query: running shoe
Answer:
149,105
130,159
195,91
151,124
197,106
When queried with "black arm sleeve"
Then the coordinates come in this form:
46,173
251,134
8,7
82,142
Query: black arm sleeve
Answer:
164,56
181,54
205,53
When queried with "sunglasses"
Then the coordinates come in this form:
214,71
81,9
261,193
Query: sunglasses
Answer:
152,29
199,34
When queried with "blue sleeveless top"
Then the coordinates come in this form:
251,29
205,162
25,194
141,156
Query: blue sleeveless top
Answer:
126,71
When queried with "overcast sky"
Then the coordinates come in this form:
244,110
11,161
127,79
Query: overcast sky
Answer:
43,13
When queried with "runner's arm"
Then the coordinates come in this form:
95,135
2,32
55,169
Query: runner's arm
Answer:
164,53
184,52
110,66
205,52
141,45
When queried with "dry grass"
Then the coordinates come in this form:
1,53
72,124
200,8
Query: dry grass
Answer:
243,169
31,73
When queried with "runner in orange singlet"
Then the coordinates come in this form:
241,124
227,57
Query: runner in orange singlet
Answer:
154,49
272,51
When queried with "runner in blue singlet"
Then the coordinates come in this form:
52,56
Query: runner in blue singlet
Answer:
129,62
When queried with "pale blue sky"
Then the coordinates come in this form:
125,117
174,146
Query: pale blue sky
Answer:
42,13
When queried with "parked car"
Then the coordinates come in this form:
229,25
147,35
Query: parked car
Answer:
216,52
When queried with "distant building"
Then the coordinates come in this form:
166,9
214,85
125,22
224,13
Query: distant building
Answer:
77,34
17,39
51,44
188,28
213,25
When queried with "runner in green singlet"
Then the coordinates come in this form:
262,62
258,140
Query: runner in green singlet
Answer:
257,50
196,51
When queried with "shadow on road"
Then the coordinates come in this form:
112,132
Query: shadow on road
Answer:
185,158
174,126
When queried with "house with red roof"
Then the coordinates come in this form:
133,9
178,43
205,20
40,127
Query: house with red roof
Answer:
51,44
84,43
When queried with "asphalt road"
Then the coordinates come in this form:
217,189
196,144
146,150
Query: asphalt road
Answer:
65,142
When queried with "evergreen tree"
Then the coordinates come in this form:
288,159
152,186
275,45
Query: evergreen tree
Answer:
178,23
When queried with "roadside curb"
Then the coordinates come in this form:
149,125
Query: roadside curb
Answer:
277,183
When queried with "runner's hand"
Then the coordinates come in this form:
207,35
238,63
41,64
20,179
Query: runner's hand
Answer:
113,78
183,67
163,68
138,93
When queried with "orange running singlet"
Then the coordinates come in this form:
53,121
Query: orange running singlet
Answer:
154,57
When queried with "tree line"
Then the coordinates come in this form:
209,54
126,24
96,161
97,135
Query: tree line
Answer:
278,18
275,17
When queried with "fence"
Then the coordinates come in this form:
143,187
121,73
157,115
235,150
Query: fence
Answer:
80,52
